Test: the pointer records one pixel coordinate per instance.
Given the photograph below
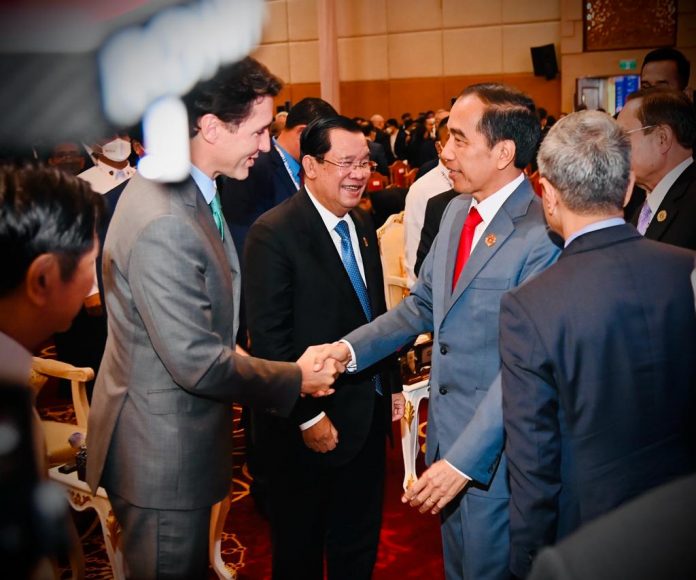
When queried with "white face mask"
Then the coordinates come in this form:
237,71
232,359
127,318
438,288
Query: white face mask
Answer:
117,150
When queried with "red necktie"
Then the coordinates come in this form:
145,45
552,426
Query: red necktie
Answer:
467,236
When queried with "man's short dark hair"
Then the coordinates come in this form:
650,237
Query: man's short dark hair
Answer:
663,105
44,210
509,114
683,65
315,139
231,93
308,109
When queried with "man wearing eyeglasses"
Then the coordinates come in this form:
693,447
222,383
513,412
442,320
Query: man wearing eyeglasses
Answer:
661,123
313,273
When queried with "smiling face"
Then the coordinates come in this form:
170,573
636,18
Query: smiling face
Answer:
472,164
339,190
240,145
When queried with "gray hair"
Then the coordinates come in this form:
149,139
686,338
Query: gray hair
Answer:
587,157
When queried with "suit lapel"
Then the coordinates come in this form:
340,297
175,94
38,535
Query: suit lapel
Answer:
670,204
501,227
318,243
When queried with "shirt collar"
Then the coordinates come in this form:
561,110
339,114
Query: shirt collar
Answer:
657,195
204,183
330,220
490,206
593,227
15,361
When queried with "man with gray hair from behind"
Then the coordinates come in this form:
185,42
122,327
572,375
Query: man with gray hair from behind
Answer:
598,373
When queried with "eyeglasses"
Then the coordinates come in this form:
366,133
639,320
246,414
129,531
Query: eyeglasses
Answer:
640,129
348,166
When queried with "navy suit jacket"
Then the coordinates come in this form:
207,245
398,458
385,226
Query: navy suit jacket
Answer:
678,227
268,184
599,383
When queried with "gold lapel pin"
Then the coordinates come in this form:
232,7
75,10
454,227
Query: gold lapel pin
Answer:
490,240
661,215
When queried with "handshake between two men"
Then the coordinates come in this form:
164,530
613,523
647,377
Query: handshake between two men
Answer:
321,365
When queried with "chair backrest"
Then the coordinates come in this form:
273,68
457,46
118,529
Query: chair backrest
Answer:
397,173
410,177
391,249
377,181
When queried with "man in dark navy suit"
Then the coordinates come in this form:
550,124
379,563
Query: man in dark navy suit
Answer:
599,377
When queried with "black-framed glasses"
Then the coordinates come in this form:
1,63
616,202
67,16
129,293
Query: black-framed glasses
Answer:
348,166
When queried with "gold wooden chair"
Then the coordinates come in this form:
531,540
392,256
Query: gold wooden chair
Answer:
391,249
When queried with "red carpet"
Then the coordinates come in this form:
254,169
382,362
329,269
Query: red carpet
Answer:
409,543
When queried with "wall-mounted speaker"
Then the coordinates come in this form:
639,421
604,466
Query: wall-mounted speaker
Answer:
544,61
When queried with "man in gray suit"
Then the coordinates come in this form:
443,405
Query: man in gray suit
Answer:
493,136
160,426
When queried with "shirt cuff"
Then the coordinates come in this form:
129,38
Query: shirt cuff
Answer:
459,472
352,365
307,424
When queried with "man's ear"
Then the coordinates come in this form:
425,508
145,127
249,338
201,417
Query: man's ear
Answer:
209,127
309,166
41,278
549,195
665,137
506,153
629,190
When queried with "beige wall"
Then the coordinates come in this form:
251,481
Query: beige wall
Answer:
413,55
413,45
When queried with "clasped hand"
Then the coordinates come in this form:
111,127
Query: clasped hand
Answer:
435,488
321,365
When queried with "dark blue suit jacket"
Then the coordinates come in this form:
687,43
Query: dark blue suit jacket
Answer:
243,202
599,383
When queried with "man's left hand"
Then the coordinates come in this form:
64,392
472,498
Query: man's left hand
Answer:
435,488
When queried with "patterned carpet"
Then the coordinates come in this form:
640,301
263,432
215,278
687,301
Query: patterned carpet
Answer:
409,543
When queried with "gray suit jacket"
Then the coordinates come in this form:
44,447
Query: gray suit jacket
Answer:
161,417
465,360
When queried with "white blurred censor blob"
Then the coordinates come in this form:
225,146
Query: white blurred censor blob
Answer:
165,129
142,70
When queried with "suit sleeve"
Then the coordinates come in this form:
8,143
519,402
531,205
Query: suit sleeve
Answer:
533,444
387,333
166,273
479,446
269,296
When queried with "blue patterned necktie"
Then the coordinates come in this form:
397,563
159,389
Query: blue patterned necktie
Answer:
351,266
217,214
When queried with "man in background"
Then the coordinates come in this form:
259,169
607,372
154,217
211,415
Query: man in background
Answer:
666,67
661,124
159,427
599,377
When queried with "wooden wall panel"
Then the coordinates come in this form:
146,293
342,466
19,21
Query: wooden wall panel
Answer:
393,97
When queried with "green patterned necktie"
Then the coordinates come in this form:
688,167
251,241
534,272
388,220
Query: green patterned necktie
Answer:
217,214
